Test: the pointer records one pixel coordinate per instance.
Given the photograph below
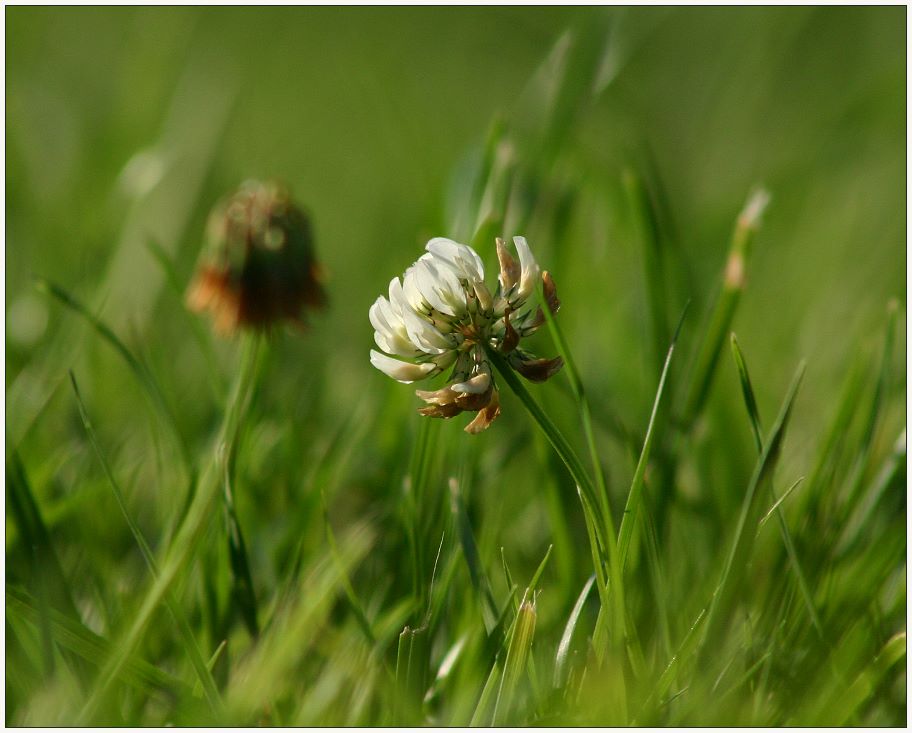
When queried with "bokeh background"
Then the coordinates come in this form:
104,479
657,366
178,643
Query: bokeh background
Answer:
125,126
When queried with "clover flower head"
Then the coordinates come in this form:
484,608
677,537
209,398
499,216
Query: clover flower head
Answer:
442,314
258,267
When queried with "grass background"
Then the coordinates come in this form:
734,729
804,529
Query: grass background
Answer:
125,126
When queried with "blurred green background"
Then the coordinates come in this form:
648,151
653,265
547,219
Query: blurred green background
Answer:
125,126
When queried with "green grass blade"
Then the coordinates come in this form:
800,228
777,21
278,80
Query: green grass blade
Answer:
563,648
733,283
91,647
477,574
778,503
881,387
296,626
736,560
579,394
670,673
520,644
747,391
242,589
353,600
34,534
142,373
635,495
646,232
482,715
891,473
190,643
750,403
188,536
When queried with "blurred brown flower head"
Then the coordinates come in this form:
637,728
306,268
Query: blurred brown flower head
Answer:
258,267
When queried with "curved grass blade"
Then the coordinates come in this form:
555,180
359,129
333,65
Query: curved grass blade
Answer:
778,502
241,578
669,674
743,539
91,647
520,644
751,404
733,283
647,233
748,391
142,373
563,648
353,600
635,495
34,533
477,574
192,648
189,534
881,387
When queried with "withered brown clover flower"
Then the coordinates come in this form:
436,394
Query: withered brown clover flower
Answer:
442,314
258,267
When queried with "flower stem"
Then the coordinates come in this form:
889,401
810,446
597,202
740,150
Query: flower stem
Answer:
602,545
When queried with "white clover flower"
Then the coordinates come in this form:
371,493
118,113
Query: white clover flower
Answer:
442,314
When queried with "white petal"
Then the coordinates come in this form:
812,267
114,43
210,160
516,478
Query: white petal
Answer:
528,267
476,385
461,257
423,334
439,286
397,297
414,298
379,315
390,333
449,291
401,371
485,300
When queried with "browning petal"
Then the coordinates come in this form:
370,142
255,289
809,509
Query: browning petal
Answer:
444,411
485,416
511,337
538,370
549,290
509,268
444,396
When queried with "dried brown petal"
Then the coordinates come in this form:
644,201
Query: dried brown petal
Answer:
549,290
537,370
485,416
444,411
444,396
472,401
511,337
